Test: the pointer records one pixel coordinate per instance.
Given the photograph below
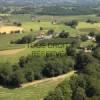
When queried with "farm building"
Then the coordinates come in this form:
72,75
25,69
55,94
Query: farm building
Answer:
91,38
40,35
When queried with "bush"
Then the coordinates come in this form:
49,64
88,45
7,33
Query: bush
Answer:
63,34
72,23
25,39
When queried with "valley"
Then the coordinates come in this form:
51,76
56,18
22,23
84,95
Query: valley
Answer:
49,50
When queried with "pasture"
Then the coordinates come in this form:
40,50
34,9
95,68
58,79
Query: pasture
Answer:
13,55
46,23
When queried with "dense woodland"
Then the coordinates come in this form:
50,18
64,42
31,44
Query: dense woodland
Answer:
85,85
51,10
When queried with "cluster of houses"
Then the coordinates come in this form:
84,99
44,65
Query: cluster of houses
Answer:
89,49
93,38
42,35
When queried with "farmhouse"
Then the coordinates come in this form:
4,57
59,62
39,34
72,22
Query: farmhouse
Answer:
42,35
91,38
87,50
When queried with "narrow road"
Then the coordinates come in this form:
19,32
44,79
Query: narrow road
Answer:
61,77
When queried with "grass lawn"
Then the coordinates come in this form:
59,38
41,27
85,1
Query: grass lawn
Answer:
35,92
88,43
6,39
88,27
42,52
84,25
47,25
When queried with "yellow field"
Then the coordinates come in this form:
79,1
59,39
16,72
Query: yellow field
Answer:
11,52
97,25
9,29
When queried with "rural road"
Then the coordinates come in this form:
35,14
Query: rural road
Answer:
61,77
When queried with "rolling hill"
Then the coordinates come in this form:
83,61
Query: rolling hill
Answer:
49,2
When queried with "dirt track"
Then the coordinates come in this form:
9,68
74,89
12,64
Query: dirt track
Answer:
11,52
61,77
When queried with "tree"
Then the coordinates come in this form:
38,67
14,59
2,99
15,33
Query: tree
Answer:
71,51
17,24
72,23
84,38
92,34
58,66
53,68
26,39
98,38
56,95
22,61
63,34
93,87
82,60
91,21
79,94
62,92
50,32
5,73
97,52
31,30
41,28
28,74
17,78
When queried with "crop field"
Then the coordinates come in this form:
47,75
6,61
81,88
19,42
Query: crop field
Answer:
9,29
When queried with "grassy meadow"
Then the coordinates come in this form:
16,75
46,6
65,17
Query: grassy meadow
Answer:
39,91
30,22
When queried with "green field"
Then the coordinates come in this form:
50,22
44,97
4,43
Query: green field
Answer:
33,92
46,23
42,51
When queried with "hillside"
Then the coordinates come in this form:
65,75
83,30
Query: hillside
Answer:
50,2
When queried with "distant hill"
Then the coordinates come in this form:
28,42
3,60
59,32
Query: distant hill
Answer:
49,2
